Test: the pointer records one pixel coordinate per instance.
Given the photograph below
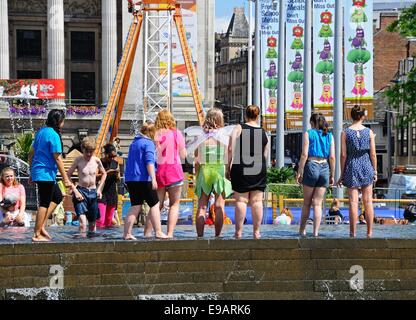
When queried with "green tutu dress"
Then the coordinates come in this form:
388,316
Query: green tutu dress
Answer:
211,174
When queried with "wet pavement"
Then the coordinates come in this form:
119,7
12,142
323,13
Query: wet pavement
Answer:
68,234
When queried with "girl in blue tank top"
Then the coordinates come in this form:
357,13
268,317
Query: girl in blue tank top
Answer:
315,173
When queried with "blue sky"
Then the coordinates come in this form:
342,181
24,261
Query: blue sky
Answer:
224,11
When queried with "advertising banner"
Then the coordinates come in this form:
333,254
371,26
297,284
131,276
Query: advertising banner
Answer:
323,56
33,89
358,43
180,81
294,55
269,33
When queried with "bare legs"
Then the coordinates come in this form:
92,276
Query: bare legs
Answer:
83,225
318,197
367,193
153,216
241,201
219,214
202,209
255,199
40,233
200,215
306,209
312,197
174,201
353,208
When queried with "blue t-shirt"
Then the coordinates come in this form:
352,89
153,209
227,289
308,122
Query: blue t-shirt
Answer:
319,144
142,152
47,143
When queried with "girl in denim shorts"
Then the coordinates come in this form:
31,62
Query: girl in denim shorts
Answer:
315,173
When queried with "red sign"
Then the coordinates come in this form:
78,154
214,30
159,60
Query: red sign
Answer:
32,89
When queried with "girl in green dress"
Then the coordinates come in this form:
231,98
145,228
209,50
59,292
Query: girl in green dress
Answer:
210,170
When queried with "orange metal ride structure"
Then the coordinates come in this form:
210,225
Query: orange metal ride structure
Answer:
110,124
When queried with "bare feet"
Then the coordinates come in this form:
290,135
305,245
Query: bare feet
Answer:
302,233
148,235
256,235
161,235
129,237
80,235
352,235
44,233
39,238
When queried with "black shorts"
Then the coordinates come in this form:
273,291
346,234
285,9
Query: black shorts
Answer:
48,191
141,191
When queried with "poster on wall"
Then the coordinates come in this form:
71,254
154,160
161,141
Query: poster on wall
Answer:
358,37
180,82
294,55
323,56
269,32
32,89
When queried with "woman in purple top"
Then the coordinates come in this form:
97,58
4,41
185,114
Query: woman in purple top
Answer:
359,168
141,182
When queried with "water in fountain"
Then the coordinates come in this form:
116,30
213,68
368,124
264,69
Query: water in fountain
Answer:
138,111
20,123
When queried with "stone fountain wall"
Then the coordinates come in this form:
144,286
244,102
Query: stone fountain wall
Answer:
218,269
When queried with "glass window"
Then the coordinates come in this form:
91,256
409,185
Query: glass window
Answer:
29,74
29,44
82,46
82,88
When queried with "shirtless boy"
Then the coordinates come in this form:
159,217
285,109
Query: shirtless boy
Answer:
86,193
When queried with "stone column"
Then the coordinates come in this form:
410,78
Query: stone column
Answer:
109,46
4,41
56,46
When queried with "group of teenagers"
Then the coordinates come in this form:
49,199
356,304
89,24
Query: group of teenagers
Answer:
229,160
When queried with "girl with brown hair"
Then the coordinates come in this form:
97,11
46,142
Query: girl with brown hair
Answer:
314,172
359,167
247,168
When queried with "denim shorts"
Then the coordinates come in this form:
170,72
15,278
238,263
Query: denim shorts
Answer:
316,175
176,184
88,206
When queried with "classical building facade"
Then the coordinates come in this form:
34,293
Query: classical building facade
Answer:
81,41
231,67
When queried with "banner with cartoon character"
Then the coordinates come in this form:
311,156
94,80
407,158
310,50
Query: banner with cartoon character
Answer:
295,22
323,56
269,31
180,81
358,29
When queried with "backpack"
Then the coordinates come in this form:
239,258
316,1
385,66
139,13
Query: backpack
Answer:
410,212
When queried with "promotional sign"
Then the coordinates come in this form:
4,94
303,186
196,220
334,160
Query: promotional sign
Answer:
33,89
294,55
269,33
180,82
358,30
324,41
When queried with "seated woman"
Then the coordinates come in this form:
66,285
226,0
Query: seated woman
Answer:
335,211
12,191
285,217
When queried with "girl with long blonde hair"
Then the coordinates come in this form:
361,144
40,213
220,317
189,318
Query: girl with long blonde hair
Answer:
210,169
